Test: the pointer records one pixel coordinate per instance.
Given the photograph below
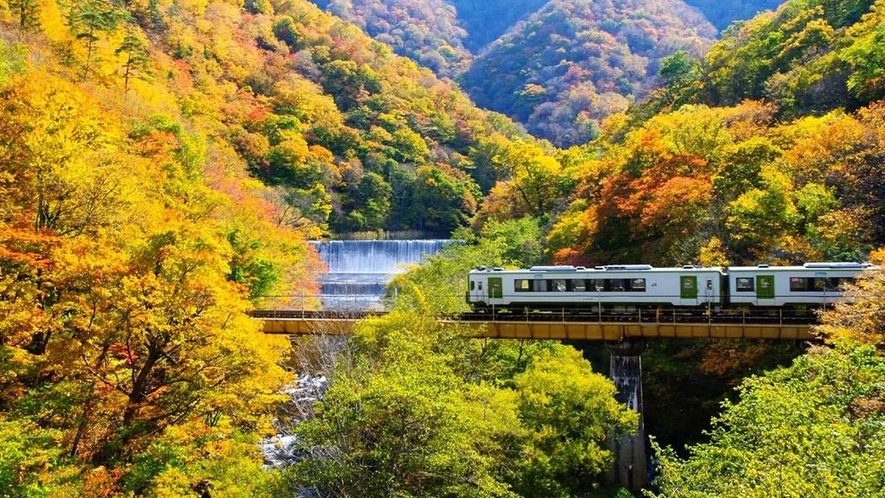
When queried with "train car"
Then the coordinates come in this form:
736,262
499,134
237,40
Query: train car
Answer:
812,284
613,287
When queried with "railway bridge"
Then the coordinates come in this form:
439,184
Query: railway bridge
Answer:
625,335
572,325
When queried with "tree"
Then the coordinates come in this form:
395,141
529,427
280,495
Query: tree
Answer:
536,179
812,429
865,57
678,73
521,240
88,18
286,30
134,49
571,414
152,341
27,12
31,463
398,421
760,216
61,155
860,317
443,199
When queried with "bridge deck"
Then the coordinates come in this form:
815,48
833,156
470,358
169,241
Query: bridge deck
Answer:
552,326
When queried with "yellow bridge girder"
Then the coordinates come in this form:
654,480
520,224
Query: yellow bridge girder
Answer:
598,331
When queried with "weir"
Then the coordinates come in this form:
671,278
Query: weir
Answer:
359,270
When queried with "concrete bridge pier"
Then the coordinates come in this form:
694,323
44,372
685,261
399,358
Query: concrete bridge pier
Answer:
626,372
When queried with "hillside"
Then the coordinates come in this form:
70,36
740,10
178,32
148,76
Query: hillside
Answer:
163,164
573,63
762,152
511,44
425,31
348,136
723,14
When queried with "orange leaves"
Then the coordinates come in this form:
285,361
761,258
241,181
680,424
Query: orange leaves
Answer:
24,247
678,203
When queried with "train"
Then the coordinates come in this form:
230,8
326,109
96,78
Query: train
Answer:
626,288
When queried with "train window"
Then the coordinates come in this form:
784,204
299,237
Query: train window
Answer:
557,285
480,284
472,285
802,284
745,284
637,284
596,284
835,283
617,284
578,285
522,285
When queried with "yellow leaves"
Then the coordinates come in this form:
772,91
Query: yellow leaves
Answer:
197,7
713,254
860,316
62,153
821,144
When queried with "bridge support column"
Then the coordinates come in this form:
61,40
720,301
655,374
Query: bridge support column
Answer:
626,372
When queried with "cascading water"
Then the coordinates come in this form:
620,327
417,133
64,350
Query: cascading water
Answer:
626,373
359,270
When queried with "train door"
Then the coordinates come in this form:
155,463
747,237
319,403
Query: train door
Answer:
496,289
688,289
764,288
709,291
475,293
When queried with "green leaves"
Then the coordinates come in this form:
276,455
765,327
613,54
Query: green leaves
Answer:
813,429
406,425
415,408
31,461
570,414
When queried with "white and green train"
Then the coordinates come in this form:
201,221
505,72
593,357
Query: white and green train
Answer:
625,287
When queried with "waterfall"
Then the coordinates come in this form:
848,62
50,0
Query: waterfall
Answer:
626,373
359,270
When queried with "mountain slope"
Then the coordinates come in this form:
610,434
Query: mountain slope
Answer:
768,150
722,14
575,62
810,57
427,31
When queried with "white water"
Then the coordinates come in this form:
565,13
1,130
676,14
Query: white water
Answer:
626,372
359,270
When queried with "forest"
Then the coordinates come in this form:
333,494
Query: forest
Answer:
164,163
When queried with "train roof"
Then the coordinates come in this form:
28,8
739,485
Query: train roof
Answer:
836,265
568,269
